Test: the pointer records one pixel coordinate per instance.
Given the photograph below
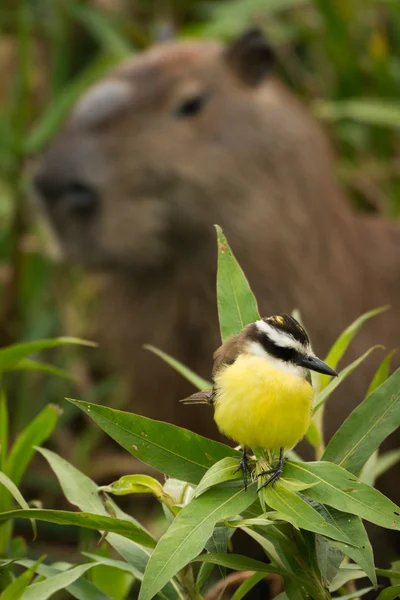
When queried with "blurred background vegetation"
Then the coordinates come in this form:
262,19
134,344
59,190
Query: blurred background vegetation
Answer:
342,57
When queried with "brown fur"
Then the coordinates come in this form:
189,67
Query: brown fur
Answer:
253,161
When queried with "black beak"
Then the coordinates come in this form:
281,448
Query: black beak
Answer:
315,364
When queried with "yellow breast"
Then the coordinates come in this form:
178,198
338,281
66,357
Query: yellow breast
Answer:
260,406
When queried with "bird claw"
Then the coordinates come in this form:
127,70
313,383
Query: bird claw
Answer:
244,466
275,472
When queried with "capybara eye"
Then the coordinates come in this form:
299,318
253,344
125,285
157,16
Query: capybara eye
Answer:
191,106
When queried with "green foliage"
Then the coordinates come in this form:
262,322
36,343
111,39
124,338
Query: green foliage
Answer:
170,449
237,306
309,523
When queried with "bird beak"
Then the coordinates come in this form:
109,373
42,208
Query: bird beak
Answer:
316,364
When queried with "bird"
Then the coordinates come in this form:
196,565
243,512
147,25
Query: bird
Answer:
262,393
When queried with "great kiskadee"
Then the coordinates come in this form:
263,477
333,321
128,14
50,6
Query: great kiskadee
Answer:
262,393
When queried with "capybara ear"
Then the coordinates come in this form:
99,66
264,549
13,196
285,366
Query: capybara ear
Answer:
250,56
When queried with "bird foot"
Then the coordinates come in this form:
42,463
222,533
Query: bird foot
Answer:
275,472
244,466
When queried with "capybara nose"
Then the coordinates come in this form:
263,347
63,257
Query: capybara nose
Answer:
75,197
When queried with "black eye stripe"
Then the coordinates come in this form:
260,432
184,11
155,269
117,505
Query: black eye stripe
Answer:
282,352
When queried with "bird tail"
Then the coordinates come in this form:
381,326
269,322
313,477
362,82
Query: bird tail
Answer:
203,397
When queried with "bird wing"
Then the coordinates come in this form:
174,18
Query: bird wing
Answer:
224,355
202,397
227,353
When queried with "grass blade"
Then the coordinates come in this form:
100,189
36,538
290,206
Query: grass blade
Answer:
37,432
85,520
338,349
196,380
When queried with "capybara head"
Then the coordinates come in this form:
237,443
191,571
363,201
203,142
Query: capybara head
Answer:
176,139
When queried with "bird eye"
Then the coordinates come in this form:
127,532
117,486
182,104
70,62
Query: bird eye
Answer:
191,106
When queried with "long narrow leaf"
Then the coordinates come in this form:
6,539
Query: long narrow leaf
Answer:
12,355
45,589
16,589
367,426
18,497
86,520
83,493
342,490
189,532
237,305
382,373
323,396
172,450
37,432
342,343
3,430
286,502
196,380
81,588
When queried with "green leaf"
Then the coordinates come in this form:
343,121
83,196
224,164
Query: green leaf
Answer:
12,355
329,558
189,532
86,520
138,484
262,520
27,364
45,589
345,574
353,527
313,435
386,461
118,564
367,426
389,593
342,343
247,586
237,305
382,373
16,589
224,470
83,493
342,490
81,588
323,396
196,380
37,432
3,430
237,562
357,594
18,497
177,452
115,581
305,516
393,575
382,113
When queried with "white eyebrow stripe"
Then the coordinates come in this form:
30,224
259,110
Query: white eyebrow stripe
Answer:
280,338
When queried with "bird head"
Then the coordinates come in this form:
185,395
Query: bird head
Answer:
283,341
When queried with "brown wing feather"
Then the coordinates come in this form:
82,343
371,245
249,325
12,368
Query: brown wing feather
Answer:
203,397
229,351
224,355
